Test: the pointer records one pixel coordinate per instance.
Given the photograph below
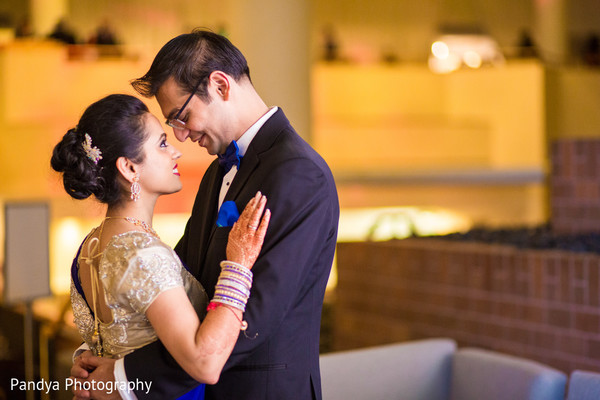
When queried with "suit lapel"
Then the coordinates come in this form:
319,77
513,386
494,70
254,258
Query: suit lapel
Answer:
262,141
205,210
249,164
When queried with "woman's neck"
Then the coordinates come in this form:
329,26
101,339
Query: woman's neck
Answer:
142,211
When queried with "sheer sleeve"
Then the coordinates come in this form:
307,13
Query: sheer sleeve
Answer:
142,267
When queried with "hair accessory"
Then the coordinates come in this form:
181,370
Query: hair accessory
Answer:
135,188
92,152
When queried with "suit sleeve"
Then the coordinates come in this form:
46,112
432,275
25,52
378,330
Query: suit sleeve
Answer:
304,217
154,364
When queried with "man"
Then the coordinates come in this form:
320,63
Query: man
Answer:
202,84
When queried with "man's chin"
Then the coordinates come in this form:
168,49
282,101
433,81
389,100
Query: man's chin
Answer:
209,150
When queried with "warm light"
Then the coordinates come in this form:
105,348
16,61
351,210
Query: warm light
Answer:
6,35
69,230
452,51
397,222
65,237
444,66
170,227
440,222
385,223
472,59
440,50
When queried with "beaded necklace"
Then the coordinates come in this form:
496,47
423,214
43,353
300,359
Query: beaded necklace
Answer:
139,223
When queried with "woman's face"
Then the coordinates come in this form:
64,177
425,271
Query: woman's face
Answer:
158,172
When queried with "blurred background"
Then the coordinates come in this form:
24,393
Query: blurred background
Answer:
435,116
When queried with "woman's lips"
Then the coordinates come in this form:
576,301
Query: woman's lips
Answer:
175,170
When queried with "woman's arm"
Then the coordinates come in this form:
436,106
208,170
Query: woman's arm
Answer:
202,349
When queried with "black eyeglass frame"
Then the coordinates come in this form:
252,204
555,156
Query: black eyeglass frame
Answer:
175,122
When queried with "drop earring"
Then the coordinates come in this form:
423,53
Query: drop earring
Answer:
135,188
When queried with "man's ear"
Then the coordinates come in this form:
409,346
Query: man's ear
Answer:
126,168
221,84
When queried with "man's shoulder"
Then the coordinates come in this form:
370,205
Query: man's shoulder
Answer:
278,131
289,148
285,140
279,146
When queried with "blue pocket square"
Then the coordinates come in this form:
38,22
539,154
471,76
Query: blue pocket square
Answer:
228,214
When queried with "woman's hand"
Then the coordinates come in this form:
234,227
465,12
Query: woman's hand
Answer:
248,233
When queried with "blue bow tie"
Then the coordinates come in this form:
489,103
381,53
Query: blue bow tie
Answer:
231,157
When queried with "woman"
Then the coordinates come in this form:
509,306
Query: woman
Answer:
127,283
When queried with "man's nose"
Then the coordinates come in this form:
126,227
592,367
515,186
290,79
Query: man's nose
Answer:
181,134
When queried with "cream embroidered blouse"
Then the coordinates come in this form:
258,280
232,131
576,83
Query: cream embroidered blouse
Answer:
134,269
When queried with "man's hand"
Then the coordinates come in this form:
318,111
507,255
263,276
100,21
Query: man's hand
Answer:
79,368
90,368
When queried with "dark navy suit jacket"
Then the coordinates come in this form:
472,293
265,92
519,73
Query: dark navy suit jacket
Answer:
290,275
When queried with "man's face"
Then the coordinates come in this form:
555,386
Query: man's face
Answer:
206,124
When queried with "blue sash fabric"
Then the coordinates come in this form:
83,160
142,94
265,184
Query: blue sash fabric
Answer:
75,278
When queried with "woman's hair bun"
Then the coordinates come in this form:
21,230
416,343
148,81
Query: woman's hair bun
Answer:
115,126
79,172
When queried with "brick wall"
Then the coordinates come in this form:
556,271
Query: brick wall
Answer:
539,304
575,185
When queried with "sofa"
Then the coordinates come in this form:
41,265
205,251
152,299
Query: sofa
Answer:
435,369
584,385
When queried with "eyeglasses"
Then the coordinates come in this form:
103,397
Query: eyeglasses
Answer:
175,122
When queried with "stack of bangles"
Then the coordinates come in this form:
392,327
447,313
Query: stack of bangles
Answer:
233,288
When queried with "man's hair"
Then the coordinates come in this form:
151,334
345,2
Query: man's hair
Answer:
190,59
